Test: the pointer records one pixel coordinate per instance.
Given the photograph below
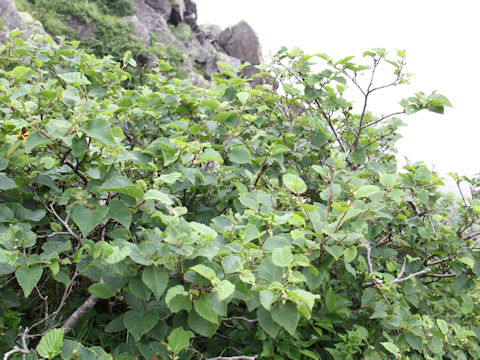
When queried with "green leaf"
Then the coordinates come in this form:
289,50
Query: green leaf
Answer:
159,196
286,315
179,340
231,264
224,289
205,271
240,155
294,183
443,326
330,299
210,154
156,280
75,78
282,257
101,291
388,180
101,130
266,322
123,185
117,210
113,254
50,343
243,97
350,254
28,277
139,323
6,183
204,230
87,219
204,309
200,325
335,251
391,347
20,71
366,191
266,299
177,299
34,140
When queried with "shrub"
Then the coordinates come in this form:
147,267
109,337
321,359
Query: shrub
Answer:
172,222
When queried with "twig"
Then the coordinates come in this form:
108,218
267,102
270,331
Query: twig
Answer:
241,357
24,349
411,276
80,312
240,318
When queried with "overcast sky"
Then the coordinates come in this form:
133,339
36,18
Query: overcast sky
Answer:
442,46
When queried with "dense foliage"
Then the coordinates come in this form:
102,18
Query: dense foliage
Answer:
173,222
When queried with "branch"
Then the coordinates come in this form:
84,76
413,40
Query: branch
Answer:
24,349
79,313
241,357
411,276
240,318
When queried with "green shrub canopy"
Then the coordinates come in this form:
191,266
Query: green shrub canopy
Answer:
175,222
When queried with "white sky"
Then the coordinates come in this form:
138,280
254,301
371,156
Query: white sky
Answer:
441,42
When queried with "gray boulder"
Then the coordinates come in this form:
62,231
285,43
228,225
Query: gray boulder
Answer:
190,14
210,31
11,18
240,41
178,11
164,7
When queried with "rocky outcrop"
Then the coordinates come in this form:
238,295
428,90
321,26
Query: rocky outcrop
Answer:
11,18
169,29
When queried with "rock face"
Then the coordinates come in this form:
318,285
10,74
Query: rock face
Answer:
240,41
11,18
169,29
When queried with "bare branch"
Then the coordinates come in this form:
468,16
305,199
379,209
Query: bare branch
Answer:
241,357
240,318
411,276
80,312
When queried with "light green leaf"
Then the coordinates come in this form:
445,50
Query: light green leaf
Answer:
177,299
205,271
20,72
169,178
28,277
112,254
101,130
140,322
251,232
205,310
335,251
286,315
443,326
101,291
350,254
210,154
243,97
123,185
75,78
282,257
231,264
224,289
294,183
240,155
117,210
156,280
87,219
158,195
366,191
388,180
50,343
391,347
203,229
179,340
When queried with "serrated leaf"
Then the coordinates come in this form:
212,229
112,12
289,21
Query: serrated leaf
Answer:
159,196
87,219
286,315
350,254
210,154
294,183
266,322
224,289
28,277
139,323
443,326
205,271
204,309
335,251
179,340
101,130
50,343
388,180
156,280
391,347
101,291
266,299
177,299
203,229
76,78
200,325
6,183
366,191
282,257
117,210
330,299
240,155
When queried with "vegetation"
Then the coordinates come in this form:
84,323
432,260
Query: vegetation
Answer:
173,222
